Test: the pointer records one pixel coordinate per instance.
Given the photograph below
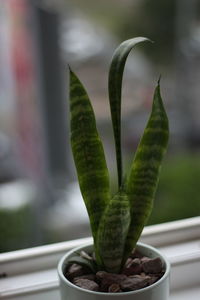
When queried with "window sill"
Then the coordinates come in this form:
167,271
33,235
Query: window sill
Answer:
31,273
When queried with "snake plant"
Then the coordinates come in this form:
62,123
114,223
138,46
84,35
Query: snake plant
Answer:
116,220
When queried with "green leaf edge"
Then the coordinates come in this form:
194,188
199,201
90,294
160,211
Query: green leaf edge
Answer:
88,155
115,88
141,205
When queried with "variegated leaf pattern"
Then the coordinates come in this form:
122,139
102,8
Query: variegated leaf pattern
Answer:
113,230
144,174
88,154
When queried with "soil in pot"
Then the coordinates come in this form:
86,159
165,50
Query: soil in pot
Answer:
139,272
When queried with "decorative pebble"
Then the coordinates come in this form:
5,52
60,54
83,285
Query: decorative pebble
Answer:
74,270
114,288
107,279
86,276
133,283
87,284
152,266
133,266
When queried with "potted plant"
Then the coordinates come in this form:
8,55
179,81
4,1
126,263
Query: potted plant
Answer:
116,221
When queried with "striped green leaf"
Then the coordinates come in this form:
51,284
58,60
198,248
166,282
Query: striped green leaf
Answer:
114,87
143,177
113,230
88,154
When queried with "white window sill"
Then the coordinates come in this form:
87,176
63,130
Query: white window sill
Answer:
31,273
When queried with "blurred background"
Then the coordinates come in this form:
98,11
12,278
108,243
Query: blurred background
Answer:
40,201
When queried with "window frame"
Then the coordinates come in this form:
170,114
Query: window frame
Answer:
32,271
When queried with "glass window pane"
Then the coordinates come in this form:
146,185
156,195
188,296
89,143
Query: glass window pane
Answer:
40,201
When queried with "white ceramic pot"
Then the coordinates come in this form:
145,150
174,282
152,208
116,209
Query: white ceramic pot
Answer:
157,291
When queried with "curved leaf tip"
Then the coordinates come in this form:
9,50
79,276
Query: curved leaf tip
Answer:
115,86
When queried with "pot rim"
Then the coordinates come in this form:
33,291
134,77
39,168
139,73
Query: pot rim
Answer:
157,283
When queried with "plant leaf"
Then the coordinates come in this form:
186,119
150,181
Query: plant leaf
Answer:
113,231
77,259
115,86
144,174
88,154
